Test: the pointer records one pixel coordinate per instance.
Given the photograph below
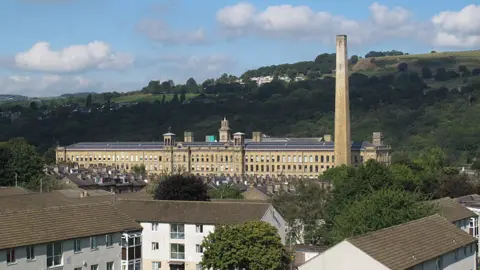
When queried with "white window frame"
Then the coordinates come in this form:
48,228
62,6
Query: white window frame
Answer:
110,266
109,240
199,228
177,253
199,248
11,256
439,263
93,242
77,245
155,246
156,265
53,256
177,233
154,227
30,253
94,267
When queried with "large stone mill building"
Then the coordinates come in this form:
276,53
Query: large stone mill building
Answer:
235,155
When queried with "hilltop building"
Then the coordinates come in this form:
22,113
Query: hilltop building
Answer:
234,155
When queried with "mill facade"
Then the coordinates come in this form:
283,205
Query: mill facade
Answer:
235,155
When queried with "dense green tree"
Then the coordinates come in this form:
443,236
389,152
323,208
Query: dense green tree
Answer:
427,73
25,161
191,85
6,169
88,101
303,211
225,192
253,245
139,169
182,97
182,187
380,209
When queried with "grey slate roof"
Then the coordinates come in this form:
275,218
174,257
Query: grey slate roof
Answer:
300,143
452,210
43,225
403,246
193,212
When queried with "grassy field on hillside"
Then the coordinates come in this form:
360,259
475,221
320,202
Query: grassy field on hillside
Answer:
462,54
141,97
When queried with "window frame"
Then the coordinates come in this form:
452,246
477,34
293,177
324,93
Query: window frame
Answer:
94,267
30,253
178,253
177,234
110,265
155,246
54,255
93,242
199,228
107,238
77,246
11,259
156,265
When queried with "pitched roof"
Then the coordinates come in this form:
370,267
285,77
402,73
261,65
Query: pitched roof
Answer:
412,243
30,227
193,212
9,191
452,210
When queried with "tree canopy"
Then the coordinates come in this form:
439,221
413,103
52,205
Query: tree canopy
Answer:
180,187
228,191
252,245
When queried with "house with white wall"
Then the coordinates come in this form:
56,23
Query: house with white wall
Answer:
76,237
428,243
173,231
458,214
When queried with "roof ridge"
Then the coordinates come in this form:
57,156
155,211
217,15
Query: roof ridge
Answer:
57,207
204,202
396,226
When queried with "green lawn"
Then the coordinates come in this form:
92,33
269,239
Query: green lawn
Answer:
462,54
140,97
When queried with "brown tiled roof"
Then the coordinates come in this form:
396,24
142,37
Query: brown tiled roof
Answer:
30,227
193,212
412,243
32,201
9,191
452,210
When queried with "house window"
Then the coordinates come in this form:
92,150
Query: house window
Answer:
156,265
94,267
177,231
77,245
155,246
54,254
456,254
465,251
109,240
199,248
109,265
177,251
198,267
11,255
199,228
31,253
439,263
77,268
93,242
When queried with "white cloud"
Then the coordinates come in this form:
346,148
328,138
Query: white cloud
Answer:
158,30
458,29
453,29
96,54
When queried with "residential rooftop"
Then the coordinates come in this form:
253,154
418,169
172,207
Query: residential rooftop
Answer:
452,210
57,223
193,212
403,246
9,191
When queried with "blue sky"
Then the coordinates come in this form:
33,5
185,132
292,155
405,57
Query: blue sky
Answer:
58,46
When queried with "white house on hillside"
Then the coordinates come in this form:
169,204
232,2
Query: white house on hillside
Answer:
173,231
428,243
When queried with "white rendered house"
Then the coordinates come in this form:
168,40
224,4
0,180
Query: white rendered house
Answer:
428,243
173,231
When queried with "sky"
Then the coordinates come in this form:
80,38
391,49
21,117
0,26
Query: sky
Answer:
51,47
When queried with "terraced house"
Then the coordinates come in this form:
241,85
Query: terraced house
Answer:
76,236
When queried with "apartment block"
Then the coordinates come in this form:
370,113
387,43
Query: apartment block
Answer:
76,237
173,231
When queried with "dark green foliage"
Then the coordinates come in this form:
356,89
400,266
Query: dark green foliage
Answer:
380,209
225,192
253,245
179,187
139,169
386,53
88,101
427,73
